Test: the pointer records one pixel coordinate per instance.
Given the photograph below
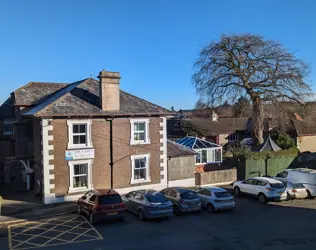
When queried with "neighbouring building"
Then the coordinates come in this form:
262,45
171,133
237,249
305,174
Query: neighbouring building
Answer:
215,129
181,165
305,135
55,138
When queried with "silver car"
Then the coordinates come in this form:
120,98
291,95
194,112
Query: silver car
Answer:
295,190
148,204
183,199
215,199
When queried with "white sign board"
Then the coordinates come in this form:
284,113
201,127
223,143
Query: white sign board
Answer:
79,154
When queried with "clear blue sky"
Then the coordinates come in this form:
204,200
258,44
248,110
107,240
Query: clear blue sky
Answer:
152,43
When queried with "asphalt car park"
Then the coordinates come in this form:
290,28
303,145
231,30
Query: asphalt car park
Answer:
251,225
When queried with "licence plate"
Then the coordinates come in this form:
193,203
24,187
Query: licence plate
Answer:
112,213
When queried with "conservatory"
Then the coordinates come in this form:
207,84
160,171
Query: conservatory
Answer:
209,152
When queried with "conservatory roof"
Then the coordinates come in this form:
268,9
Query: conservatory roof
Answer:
196,143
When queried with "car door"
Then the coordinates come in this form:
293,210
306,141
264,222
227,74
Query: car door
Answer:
137,202
172,196
257,187
91,202
128,200
85,202
246,186
204,195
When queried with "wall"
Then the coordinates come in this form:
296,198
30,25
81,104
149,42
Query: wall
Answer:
252,168
181,167
306,143
222,139
216,177
37,149
122,152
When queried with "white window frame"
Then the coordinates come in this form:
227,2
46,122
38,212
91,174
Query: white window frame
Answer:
147,139
6,121
133,158
210,155
71,176
88,143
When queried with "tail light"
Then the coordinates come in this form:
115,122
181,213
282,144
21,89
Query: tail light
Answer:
270,189
294,191
122,205
181,201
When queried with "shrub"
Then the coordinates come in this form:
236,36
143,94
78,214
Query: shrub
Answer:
291,152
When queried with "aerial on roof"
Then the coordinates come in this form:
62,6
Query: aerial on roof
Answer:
175,149
78,99
196,143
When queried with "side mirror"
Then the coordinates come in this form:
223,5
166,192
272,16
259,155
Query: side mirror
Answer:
84,197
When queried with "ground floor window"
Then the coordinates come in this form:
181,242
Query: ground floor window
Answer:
80,175
140,168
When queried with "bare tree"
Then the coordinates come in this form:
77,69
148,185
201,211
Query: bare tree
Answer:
248,64
242,107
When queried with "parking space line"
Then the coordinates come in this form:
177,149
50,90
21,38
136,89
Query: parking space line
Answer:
40,225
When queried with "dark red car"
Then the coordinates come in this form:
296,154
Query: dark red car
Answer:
101,204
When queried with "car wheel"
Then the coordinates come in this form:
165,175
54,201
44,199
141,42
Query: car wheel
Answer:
288,196
91,219
176,210
210,208
262,199
309,195
79,209
141,215
237,191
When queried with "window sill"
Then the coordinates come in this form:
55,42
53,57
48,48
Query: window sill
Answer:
139,181
78,190
139,142
81,146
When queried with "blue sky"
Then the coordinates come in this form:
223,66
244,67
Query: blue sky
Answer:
152,43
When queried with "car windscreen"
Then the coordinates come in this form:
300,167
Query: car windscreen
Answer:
188,195
298,185
222,194
109,199
156,198
276,185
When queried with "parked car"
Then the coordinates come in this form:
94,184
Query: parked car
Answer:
295,190
215,198
148,204
101,204
300,175
183,199
266,189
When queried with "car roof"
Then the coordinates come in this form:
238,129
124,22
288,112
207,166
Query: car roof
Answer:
182,189
147,191
104,191
267,179
215,189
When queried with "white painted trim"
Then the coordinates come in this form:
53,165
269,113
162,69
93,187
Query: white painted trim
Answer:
208,155
88,144
71,164
47,196
163,148
133,158
183,183
147,138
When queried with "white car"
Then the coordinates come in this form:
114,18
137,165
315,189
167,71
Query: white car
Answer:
266,189
215,198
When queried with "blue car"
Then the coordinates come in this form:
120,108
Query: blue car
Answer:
148,204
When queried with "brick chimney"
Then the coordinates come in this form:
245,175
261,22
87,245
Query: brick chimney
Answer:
109,90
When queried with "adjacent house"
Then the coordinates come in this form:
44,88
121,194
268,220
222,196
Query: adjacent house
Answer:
215,129
305,135
55,138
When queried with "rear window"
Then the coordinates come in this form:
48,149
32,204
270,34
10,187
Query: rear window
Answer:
298,185
109,199
222,194
156,198
276,185
188,195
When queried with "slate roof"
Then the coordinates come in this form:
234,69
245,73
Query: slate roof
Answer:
175,149
304,128
205,127
79,99
35,92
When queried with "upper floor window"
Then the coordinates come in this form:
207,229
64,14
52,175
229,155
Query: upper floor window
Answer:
140,131
79,133
7,126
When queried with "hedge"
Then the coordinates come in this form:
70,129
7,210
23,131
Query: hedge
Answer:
292,152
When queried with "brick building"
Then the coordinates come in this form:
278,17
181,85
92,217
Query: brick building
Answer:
61,133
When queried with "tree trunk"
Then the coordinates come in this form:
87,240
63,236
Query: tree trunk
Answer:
257,121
